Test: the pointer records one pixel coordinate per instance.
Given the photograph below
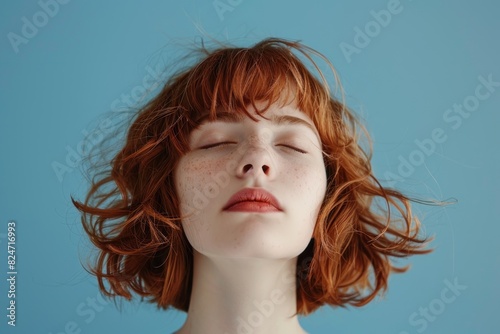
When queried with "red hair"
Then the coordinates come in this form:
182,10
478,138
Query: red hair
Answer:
131,212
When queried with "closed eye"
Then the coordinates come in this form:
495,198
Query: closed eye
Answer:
216,145
293,148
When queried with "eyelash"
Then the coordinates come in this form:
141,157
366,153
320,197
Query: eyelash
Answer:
227,142
293,148
206,147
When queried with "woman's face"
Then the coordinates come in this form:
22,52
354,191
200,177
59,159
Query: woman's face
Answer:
252,188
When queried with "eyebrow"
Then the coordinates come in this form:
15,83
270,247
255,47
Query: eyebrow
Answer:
228,117
292,120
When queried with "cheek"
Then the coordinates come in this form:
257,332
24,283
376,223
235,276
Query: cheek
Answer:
198,181
310,178
309,190
186,181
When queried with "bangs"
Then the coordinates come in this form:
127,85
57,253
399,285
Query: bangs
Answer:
232,80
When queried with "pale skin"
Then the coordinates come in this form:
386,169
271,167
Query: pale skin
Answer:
244,272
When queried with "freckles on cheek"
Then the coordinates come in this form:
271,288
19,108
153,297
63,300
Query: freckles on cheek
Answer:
190,173
192,165
195,174
309,190
307,176
199,169
310,183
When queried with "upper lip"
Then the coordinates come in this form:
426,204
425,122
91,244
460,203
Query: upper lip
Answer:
254,195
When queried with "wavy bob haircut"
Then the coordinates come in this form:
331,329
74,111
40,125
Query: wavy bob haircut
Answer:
131,212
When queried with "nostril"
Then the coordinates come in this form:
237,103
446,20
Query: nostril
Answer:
246,168
265,169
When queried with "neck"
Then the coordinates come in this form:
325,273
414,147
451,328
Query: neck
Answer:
243,295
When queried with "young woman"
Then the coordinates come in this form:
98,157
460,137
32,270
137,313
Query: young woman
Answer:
244,196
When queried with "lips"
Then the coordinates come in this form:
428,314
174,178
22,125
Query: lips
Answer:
252,199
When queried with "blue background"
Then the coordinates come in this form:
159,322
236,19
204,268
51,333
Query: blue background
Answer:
416,67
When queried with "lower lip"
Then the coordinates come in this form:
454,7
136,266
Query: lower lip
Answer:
253,207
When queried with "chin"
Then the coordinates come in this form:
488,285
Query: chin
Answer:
259,247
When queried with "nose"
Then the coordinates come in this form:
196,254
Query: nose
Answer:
256,161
